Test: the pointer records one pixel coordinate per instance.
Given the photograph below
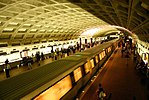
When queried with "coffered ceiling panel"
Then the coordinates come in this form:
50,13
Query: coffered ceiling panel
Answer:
43,19
37,20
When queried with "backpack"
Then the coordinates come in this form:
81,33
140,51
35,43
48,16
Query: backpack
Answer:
102,95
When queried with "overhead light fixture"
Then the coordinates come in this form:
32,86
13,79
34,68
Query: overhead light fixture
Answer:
42,30
8,29
22,29
50,30
20,19
33,30
47,26
91,32
13,23
27,25
3,16
61,31
38,25
33,20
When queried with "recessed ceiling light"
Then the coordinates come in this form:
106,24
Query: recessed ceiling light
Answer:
8,29
27,24
42,30
13,23
47,26
22,29
33,30
38,25
19,18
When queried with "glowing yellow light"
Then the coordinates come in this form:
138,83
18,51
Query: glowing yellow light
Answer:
91,32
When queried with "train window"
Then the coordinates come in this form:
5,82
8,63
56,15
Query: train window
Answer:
87,67
56,91
92,63
104,54
100,56
96,59
77,74
109,49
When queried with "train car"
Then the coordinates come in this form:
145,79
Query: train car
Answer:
62,79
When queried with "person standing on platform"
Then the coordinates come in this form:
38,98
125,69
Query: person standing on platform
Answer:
55,55
99,87
7,69
100,92
38,58
42,56
29,62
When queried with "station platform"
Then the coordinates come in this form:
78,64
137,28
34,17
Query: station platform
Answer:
120,80
118,76
18,70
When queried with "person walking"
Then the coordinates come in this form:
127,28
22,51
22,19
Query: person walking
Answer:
42,56
99,87
7,69
100,93
29,62
38,58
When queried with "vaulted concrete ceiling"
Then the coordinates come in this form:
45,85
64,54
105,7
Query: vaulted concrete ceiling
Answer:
30,21
131,14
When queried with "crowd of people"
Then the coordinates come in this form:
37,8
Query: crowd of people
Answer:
29,60
127,48
38,57
142,67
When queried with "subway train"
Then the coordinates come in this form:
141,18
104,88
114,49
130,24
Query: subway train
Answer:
62,79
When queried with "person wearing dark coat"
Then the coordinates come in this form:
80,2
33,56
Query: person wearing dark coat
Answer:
7,69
